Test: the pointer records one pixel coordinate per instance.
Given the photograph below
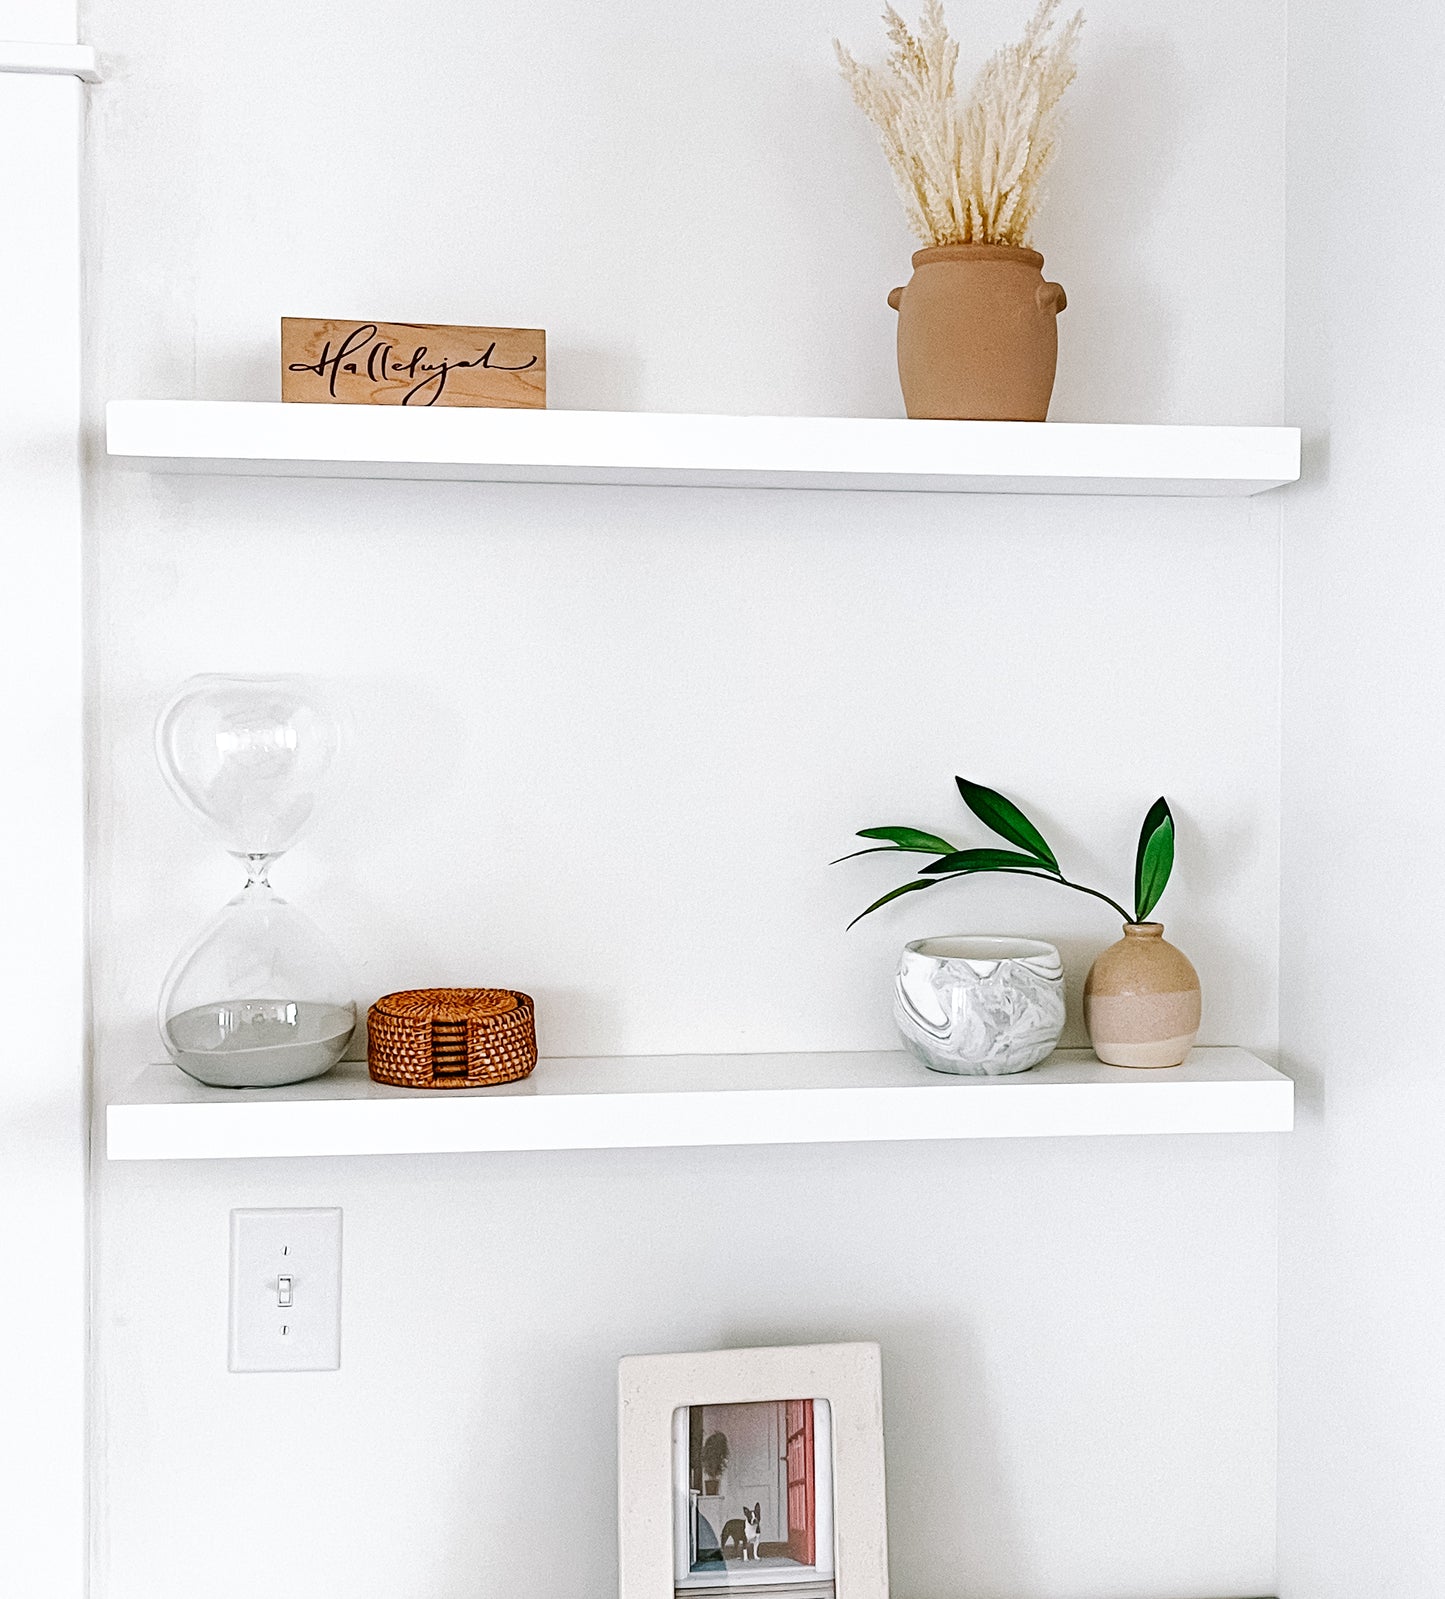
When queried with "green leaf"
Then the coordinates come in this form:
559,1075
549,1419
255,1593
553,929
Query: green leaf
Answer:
909,838
1003,817
987,860
1155,860
910,887
878,849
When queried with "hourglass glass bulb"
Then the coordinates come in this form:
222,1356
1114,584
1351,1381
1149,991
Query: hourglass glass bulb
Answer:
249,756
258,997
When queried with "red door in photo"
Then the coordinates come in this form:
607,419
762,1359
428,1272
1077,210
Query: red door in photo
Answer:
802,1506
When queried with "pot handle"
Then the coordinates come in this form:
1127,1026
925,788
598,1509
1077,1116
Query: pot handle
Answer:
895,297
1051,298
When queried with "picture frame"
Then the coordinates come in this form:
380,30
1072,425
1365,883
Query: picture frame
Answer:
793,1508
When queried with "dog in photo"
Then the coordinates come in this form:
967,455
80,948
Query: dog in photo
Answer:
744,1533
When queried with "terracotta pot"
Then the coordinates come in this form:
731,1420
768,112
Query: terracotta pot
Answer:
1141,1000
977,334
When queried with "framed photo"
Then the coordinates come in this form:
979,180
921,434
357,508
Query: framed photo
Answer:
752,1474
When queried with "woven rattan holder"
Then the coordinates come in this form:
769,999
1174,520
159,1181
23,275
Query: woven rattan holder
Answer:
450,1038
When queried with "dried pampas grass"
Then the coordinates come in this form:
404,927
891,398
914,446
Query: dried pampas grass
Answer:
968,172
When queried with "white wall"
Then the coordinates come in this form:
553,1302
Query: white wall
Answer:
43,1129
611,739
1362,1385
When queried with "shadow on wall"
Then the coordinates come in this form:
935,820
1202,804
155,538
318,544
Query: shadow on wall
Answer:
594,377
925,1362
1127,116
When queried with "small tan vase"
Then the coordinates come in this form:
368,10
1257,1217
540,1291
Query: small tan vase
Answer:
978,334
1141,1000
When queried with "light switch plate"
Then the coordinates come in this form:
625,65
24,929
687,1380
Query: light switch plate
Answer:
285,1290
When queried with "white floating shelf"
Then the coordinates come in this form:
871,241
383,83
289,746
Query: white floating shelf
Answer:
649,1101
50,60
799,452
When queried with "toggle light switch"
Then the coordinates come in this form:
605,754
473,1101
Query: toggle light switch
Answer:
285,1290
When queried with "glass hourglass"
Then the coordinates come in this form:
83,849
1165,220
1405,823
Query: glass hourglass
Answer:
258,998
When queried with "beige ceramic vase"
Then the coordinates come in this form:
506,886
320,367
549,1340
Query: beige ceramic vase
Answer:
977,334
1141,1000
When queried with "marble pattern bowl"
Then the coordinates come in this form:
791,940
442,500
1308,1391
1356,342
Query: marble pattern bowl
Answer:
979,1007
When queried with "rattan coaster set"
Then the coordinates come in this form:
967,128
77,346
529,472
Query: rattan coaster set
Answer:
451,1038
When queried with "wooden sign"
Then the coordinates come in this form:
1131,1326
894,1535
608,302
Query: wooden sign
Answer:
412,363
